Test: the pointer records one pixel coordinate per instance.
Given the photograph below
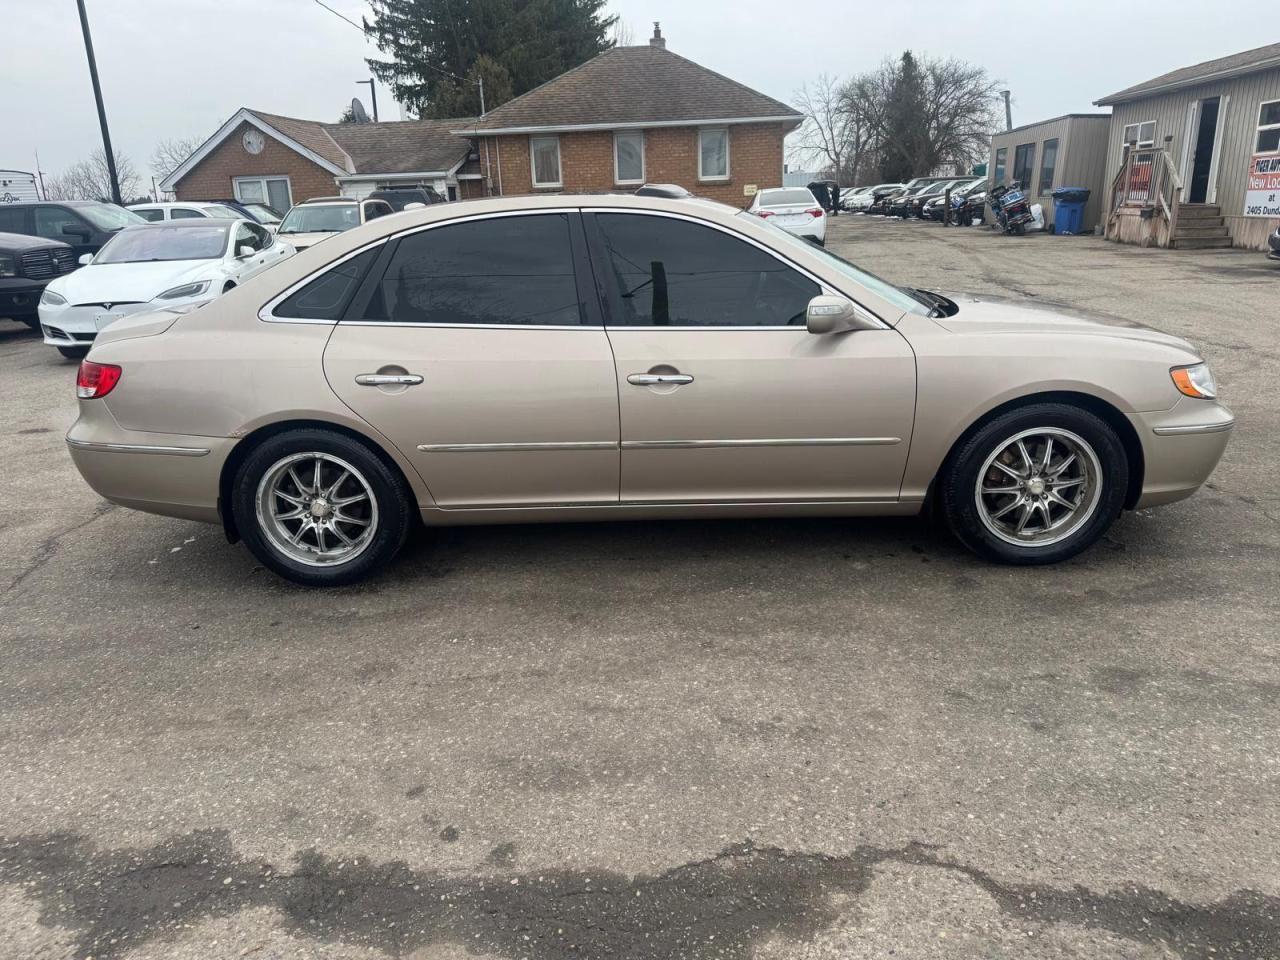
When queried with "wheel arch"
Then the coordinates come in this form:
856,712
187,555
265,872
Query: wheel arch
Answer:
1103,409
255,438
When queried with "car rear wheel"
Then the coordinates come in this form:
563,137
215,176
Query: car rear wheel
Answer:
74,353
319,508
1036,485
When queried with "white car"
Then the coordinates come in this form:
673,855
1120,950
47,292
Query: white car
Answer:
309,222
188,210
794,209
153,266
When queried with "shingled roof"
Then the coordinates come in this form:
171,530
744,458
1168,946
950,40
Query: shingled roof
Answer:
632,86
401,146
1250,61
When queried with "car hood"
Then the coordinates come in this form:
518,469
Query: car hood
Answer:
302,240
980,313
130,282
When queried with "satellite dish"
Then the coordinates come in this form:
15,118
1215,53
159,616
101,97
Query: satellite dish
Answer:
357,111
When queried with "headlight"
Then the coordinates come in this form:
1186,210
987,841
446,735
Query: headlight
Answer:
8,266
51,299
186,290
1195,381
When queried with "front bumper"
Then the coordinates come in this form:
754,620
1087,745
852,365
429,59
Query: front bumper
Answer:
1181,447
78,325
163,473
19,297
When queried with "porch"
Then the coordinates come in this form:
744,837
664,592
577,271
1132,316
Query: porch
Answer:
1145,205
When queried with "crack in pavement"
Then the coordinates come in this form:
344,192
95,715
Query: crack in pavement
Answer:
49,545
723,906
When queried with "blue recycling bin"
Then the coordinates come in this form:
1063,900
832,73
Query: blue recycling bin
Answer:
1068,209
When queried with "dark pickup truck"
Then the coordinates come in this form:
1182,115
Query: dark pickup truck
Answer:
26,265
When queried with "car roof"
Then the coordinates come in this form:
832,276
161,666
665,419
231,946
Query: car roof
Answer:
177,203
187,224
60,203
329,200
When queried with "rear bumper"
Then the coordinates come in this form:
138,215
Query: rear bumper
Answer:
1181,446
168,474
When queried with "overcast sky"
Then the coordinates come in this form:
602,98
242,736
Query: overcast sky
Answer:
179,68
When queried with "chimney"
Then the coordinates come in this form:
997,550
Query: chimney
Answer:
657,39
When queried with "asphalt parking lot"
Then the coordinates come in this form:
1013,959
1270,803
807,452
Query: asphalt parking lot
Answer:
768,739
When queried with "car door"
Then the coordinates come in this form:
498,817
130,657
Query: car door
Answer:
476,347
724,395
53,223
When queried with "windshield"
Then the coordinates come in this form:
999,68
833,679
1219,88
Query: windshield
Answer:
900,298
107,216
218,210
786,198
321,218
263,214
159,241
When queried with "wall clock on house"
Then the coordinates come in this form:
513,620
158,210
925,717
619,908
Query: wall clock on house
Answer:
253,141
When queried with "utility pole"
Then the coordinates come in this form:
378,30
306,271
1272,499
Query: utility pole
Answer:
1008,111
102,111
480,81
373,97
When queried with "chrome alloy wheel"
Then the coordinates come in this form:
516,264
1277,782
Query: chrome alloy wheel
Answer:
317,509
1039,487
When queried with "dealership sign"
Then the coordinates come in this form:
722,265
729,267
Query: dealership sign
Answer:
1262,192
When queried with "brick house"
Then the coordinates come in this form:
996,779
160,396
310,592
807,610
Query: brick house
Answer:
629,116
257,156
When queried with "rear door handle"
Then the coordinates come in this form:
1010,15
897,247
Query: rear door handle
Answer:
649,379
388,379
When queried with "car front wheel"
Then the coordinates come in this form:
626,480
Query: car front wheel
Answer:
320,508
1036,485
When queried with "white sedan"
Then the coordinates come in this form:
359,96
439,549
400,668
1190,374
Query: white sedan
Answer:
151,267
794,209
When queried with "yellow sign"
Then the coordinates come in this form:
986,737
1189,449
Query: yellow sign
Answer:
749,189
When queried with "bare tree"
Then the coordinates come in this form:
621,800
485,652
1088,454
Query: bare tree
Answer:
622,34
833,134
89,179
922,113
169,153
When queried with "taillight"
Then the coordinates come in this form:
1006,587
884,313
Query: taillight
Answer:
815,212
764,214
96,380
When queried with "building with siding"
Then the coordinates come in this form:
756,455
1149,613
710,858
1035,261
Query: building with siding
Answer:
1067,151
1219,124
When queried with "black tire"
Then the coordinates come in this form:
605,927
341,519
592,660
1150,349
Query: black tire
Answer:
74,353
972,524
32,322
391,523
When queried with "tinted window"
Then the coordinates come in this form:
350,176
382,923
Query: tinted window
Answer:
12,221
998,171
785,198
675,273
1048,163
510,270
325,297
185,213
51,220
321,218
1024,158
151,215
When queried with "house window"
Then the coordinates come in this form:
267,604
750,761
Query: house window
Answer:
1268,140
628,157
1024,161
713,154
273,191
544,156
1143,134
998,174
1048,165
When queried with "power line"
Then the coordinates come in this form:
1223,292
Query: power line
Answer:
340,15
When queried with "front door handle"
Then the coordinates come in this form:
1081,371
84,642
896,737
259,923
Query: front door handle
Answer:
651,379
388,379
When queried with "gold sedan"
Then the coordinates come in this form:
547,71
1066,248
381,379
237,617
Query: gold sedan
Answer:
605,357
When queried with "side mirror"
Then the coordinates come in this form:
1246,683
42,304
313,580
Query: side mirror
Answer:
834,315
75,230
85,259
245,251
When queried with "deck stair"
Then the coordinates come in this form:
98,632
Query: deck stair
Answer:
1200,226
